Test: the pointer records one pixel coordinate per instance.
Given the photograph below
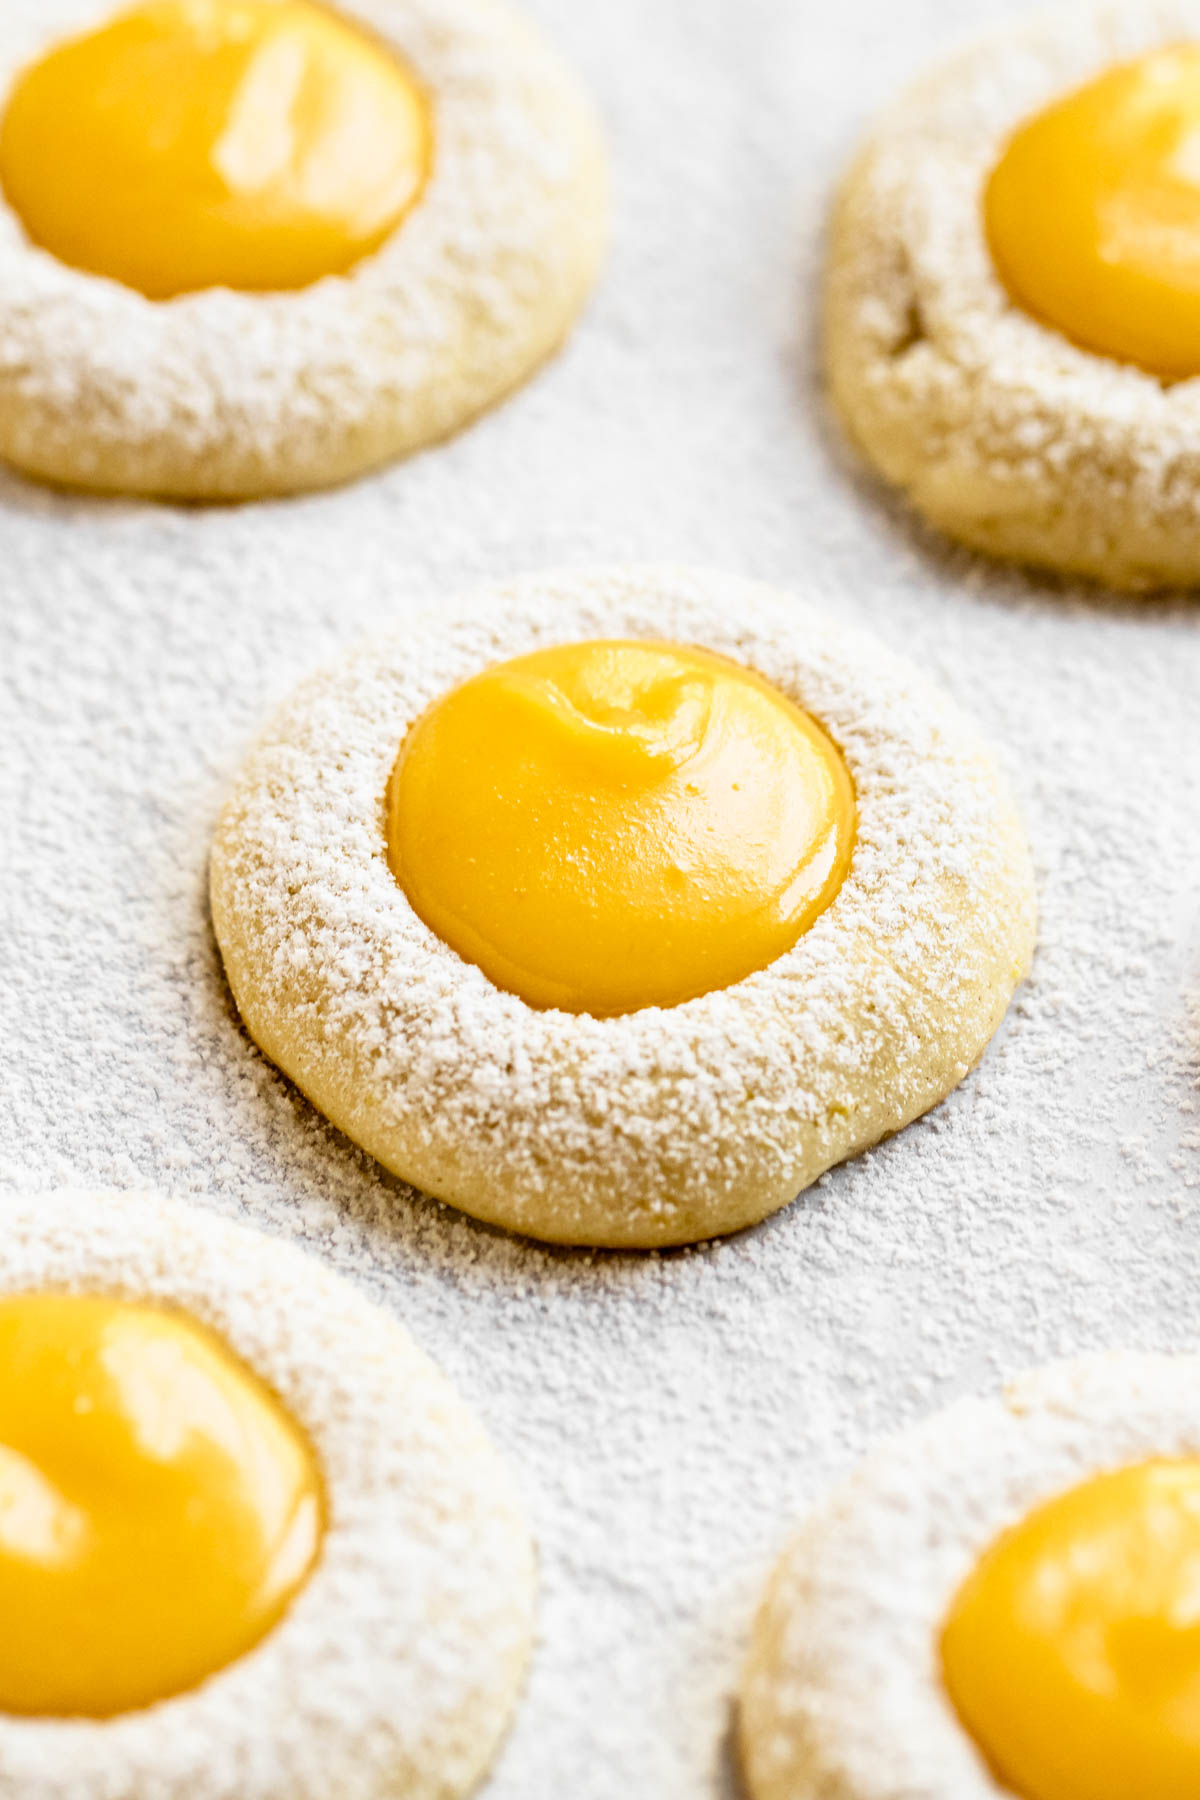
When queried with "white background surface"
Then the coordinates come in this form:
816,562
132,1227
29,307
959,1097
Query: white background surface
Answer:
669,1416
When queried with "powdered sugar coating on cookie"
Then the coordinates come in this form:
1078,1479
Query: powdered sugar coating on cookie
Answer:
842,1695
1001,431
664,1125
396,1669
229,395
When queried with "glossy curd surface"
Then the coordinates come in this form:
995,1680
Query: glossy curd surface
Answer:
1093,213
158,1509
190,144
612,825
1072,1652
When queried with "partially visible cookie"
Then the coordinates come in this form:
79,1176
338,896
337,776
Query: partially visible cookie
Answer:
964,389
190,1404
392,217
999,1603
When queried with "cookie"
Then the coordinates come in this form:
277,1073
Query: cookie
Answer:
616,1078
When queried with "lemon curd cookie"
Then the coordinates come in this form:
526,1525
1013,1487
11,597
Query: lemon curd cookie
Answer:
1012,330
252,1545
1001,1602
620,905
250,247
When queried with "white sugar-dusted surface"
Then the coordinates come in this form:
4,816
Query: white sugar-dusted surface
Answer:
669,1417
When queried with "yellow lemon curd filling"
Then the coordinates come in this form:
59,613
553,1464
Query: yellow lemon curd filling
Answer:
606,826
1072,1652
254,144
158,1510
1093,213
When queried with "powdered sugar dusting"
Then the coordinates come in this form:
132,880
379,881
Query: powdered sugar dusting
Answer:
669,1416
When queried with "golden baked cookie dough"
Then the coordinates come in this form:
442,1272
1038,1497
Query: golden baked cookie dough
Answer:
658,1123
1011,294
252,247
252,1544
1000,1604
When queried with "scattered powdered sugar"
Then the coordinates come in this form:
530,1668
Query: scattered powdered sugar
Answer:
668,1417
394,1669
221,393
